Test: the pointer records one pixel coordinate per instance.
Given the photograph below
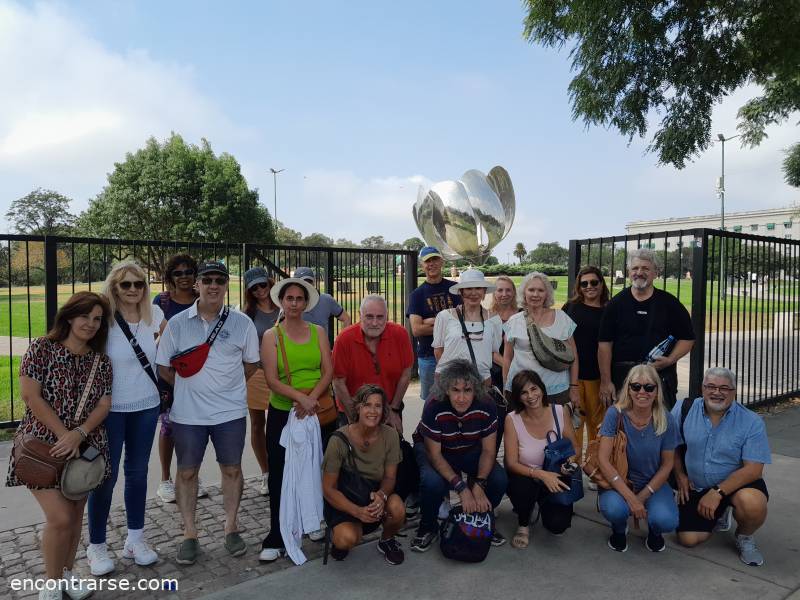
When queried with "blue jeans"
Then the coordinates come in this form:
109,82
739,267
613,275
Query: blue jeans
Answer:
426,365
136,431
662,512
433,487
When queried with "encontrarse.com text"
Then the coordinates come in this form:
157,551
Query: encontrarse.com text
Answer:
95,585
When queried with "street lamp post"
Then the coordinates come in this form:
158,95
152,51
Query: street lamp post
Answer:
721,192
275,198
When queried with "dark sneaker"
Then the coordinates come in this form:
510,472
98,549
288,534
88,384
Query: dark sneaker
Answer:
391,551
655,542
498,539
618,542
234,544
423,540
337,554
188,551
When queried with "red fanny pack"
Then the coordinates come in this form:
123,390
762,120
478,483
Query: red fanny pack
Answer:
189,362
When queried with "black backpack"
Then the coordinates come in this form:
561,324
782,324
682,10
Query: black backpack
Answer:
467,537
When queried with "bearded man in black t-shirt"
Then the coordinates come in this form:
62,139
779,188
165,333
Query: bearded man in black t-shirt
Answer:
635,321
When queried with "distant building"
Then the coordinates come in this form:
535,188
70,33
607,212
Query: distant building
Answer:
775,222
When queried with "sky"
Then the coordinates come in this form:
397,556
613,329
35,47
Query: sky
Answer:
361,102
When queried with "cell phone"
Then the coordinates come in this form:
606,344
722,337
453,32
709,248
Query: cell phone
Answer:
90,453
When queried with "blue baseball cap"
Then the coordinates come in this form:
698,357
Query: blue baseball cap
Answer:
429,252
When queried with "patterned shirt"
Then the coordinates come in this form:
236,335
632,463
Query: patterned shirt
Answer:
457,433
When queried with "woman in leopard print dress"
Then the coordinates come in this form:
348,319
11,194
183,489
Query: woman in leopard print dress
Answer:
53,375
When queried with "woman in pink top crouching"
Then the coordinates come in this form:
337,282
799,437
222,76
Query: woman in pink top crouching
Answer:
526,428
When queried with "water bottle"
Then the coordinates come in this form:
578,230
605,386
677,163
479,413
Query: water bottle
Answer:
661,349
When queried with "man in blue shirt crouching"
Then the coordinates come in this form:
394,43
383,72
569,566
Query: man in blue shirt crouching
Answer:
721,472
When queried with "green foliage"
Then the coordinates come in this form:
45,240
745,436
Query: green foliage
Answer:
177,191
523,269
414,243
288,236
42,212
549,253
520,251
317,239
677,59
791,165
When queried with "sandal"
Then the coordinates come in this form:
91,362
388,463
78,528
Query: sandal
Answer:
521,537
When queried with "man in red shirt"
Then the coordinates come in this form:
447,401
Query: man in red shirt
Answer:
373,351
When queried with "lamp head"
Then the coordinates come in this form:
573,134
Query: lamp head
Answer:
720,137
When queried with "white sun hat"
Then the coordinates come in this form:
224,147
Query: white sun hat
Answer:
471,278
313,294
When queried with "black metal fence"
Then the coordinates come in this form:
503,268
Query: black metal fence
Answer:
742,292
38,274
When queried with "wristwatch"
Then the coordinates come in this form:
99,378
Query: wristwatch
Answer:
481,481
718,489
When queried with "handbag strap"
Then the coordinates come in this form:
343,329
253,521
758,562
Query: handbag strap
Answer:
218,327
137,349
466,334
351,460
555,421
282,346
88,388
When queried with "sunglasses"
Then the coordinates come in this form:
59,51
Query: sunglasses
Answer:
591,282
126,285
184,273
217,280
260,286
648,387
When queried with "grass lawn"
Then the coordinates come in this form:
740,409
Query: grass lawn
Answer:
9,373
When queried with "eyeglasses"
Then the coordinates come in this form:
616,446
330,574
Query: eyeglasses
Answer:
126,285
184,273
217,280
591,282
260,286
648,387
718,388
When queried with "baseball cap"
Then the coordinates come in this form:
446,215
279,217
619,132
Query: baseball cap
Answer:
214,266
429,252
254,276
304,273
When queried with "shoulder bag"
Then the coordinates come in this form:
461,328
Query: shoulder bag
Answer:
189,362
165,393
618,458
326,411
552,354
35,467
556,454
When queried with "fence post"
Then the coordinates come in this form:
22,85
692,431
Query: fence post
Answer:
246,256
410,273
696,358
329,278
50,279
573,264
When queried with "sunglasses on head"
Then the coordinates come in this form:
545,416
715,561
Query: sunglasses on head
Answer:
126,285
184,273
648,387
260,286
591,282
217,280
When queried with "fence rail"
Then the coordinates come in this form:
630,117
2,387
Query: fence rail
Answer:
40,273
741,290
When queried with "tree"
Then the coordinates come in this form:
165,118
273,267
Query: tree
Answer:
288,236
176,191
345,243
414,243
551,253
42,212
375,242
791,165
519,251
677,59
317,239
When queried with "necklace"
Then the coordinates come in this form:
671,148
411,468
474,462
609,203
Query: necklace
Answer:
639,424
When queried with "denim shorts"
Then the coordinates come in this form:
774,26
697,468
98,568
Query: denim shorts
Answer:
227,439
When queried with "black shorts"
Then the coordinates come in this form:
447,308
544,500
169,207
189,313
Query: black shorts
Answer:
691,520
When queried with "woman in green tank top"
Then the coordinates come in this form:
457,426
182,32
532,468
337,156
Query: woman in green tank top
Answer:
309,356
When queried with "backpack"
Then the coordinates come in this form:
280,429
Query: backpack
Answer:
467,537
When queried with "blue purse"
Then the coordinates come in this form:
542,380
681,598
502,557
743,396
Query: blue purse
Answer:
556,453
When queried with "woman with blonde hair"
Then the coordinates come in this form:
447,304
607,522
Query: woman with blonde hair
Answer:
652,438
135,402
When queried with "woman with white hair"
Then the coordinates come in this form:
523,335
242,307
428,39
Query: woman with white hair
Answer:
528,331
134,413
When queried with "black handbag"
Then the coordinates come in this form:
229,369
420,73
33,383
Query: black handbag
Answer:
355,487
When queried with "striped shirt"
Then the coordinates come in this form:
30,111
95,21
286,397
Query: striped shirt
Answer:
458,433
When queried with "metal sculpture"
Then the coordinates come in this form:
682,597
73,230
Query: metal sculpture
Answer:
469,217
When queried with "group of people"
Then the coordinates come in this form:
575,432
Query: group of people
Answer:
512,374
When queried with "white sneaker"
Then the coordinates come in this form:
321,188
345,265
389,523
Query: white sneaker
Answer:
201,491
444,509
270,554
263,489
725,522
77,589
166,491
140,552
100,562
54,594
317,535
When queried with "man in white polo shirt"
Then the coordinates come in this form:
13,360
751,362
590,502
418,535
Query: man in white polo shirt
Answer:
210,403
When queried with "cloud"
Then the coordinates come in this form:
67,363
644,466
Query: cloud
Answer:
71,107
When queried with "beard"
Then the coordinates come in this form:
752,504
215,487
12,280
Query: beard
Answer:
640,284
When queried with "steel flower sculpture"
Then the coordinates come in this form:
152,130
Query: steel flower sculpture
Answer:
469,217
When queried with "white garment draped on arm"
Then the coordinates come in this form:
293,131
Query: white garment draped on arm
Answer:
301,495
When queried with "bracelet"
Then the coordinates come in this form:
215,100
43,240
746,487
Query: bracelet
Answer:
383,495
573,385
480,481
614,478
651,490
460,486
454,481
718,489
80,430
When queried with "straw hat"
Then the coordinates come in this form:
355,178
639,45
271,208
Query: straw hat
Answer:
471,278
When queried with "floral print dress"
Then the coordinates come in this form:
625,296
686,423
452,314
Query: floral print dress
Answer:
62,376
